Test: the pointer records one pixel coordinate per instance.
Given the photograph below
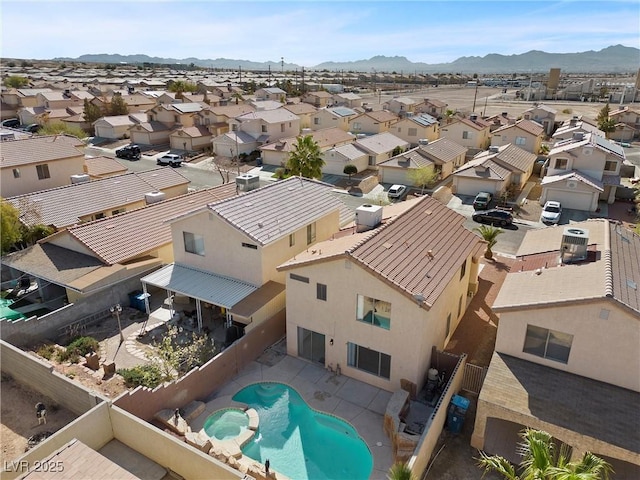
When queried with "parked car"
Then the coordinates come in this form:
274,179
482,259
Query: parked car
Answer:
11,123
129,152
482,201
170,159
396,191
31,128
494,216
551,212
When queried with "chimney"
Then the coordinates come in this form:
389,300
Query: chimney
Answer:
504,114
473,117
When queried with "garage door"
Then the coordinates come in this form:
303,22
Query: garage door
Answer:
469,186
394,175
576,200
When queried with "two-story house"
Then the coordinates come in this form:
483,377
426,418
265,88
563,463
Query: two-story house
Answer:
443,155
566,356
39,163
381,147
415,128
271,93
349,99
575,125
216,118
226,253
320,99
473,132
374,299
372,122
494,171
117,126
582,171
401,106
333,117
526,134
542,114
304,111
433,107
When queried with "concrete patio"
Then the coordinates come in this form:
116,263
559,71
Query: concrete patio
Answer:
358,403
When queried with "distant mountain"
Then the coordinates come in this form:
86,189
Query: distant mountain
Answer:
612,59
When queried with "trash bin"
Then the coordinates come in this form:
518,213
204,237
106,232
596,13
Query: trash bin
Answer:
136,300
457,410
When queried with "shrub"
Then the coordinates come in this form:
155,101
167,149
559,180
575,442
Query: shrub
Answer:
280,173
78,348
567,111
148,375
47,351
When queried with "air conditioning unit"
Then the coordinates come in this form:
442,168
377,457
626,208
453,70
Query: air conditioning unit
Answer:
80,178
368,217
574,245
154,197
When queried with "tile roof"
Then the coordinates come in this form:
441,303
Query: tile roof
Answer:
381,143
52,263
413,158
612,272
382,116
278,209
529,126
120,120
301,108
424,119
511,157
574,175
397,251
350,151
592,139
404,100
39,149
190,107
443,149
325,138
478,124
483,168
579,126
435,102
342,111
63,206
100,166
270,116
131,234
349,96
152,126
571,402
194,132
544,107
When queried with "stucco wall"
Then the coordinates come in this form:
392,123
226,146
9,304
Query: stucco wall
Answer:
592,165
602,349
60,172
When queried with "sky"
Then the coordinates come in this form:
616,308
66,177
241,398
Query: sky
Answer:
307,33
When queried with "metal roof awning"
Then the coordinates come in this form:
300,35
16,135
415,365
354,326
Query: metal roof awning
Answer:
205,286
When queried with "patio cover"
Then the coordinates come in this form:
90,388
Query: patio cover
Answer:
205,286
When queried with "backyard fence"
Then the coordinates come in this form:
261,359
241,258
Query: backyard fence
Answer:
473,378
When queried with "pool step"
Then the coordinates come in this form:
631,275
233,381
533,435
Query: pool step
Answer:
192,410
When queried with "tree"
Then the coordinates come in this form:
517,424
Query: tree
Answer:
16,81
118,106
400,471
10,227
180,86
541,461
91,111
603,114
605,122
350,169
174,358
489,235
306,159
30,234
423,176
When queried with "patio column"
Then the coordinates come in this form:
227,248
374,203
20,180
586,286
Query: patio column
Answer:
146,298
171,312
199,310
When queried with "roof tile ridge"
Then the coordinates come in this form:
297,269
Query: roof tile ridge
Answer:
608,263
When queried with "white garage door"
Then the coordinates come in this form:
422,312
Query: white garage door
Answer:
576,200
470,186
394,175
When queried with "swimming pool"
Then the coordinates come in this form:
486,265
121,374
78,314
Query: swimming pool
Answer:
301,442
226,424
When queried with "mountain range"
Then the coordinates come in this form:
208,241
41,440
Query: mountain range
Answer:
613,59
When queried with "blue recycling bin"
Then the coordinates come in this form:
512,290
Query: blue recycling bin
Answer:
136,300
457,411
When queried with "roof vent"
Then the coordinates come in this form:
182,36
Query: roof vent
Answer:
154,197
578,136
368,217
574,245
473,117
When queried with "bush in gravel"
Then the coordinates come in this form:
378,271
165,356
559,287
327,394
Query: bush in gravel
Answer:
148,375
78,348
47,351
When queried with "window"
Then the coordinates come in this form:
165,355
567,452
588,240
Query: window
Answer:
98,216
399,130
466,135
299,278
610,166
373,311
321,292
282,127
119,210
446,335
371,361
311,233
372,160
463,269
412,132
561,163
193,243
249,245
16,173
234,127
263,128
176,119
316,121
43,171
521,141
549,344
292,239
356,127
459,306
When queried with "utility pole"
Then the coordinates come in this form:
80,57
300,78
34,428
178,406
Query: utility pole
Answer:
282,65
529,89
475,95
269,74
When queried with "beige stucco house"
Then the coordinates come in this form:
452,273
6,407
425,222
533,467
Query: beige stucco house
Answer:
494,171
381,147
628,116
417,129
216,119
575,125
229,250
542,114
271,93
267,125
442,155
473,132
348,99
175,114
331,117
526,134
150,133
401,105
566,357
372,122
303,110
320,99
39,163
336,158
583,171
432,106
375,299
190,139
117,126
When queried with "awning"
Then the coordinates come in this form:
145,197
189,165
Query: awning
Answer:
205,286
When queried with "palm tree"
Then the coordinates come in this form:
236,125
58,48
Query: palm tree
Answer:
542,462
400,471
489,235
306,158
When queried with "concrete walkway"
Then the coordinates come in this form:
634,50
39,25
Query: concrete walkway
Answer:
360,404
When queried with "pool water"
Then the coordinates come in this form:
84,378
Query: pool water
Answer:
227,423
300,442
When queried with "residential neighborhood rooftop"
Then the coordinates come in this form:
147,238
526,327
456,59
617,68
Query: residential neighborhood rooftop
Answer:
39,149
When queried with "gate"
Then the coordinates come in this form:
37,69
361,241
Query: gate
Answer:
473,378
